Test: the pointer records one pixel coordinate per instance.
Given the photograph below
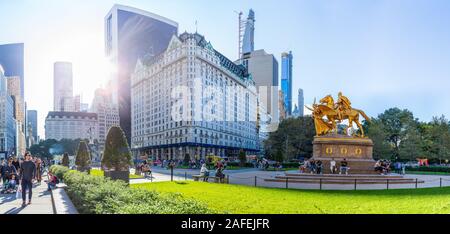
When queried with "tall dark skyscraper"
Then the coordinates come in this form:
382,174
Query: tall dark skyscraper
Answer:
131,34
248,44
12,61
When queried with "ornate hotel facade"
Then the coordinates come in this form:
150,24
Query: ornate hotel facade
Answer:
192,100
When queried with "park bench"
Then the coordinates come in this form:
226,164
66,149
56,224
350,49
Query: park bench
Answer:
216,179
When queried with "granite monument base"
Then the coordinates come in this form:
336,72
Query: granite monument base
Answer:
357,152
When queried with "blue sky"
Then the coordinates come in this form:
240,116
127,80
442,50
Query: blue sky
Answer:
380,53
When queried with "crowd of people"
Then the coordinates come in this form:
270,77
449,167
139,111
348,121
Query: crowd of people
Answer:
145,168
18,175
219,168
265,164
316,167
383,166
167,163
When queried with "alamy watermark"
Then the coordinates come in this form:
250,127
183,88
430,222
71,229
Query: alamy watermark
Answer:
227,103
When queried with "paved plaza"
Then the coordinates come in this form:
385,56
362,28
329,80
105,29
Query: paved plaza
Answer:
41,202
249,176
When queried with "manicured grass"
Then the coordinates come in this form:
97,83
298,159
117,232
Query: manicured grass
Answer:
227,198
97,172
237,168
427,173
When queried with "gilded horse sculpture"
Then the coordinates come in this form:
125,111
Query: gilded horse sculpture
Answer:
335,112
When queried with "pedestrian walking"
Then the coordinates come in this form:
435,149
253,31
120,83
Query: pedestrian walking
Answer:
27,174
38,173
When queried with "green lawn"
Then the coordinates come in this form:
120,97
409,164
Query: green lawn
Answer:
237,168
227,198
98,172
427,173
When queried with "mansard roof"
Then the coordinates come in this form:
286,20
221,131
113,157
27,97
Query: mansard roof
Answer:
237,69
62,114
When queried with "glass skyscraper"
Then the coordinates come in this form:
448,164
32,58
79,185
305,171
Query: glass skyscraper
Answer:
32,121
131,34
7,121
301,102
248,44
12,61
286,80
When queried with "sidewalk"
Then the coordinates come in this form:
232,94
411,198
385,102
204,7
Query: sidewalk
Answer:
157,177
41,203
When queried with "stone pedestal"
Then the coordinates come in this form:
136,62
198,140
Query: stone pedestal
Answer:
357,151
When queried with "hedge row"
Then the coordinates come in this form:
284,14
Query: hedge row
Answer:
431,169
290,165
236,164
99,195
59,171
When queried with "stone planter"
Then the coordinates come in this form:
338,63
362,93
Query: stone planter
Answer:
119,175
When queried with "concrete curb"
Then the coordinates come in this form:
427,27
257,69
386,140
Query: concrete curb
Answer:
61,201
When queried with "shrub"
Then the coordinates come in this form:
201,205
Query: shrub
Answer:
430,169
98,195
169,204
117,155
65,160
290,164
83,158
235,164
59,171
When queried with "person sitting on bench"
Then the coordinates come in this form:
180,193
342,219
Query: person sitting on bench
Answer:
332,166
344,167
146,169
204,172
52,181
219,174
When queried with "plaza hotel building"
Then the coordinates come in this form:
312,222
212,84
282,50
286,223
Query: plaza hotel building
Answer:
192,100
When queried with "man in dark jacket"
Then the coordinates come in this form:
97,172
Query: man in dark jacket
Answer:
16,163
27,174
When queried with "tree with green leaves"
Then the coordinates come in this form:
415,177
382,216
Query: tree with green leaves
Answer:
45,149
381,147
437,138
83,158
278,156
397,124
65,160
242,158
293,138
117,154
410,147
186,160
50,147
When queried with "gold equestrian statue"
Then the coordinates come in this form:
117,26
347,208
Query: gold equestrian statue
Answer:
335,112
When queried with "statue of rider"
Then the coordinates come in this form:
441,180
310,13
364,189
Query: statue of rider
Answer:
343,104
